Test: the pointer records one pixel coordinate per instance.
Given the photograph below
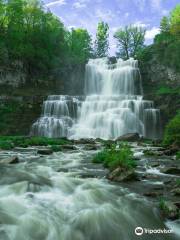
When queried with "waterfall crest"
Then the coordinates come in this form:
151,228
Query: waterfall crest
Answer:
113,106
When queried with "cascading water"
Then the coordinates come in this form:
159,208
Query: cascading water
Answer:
113,106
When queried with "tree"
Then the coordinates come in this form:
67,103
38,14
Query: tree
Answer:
101,42
165,24
80,45
175,20
130,41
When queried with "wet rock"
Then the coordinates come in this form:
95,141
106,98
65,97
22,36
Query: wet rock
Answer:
176,191
154,164
10,160
90,147
171,151
65,170
85,141
68,147
170,210
131,137
152,194
171,170
120,175
45,151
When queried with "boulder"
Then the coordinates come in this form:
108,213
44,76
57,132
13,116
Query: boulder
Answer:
10,160
131,137
121,175
45,151
171,170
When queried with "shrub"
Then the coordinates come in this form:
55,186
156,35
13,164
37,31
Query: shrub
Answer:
172,131
113,157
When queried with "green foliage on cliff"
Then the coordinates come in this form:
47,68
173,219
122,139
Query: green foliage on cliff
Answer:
172,131
164,90
32,36
166,46
113,158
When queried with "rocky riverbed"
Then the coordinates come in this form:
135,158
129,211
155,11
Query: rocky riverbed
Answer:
60,195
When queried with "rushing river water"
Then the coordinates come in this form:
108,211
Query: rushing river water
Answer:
55,197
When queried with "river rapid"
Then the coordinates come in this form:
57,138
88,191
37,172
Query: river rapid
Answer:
64,196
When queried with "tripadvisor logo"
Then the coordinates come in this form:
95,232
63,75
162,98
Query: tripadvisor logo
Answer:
139,231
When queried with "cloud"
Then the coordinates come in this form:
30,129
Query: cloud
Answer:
150,34
140,24
104,15
59,3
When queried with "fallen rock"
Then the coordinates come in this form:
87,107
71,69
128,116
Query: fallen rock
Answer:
10,160
45,151
120,175
154,164
131,137
170,210
171,170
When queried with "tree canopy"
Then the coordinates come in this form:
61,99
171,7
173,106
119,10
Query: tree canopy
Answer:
35,37
130,41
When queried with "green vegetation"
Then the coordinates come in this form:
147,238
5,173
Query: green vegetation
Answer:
172,131
9,142
116,157
130,41
166,46
101,42
36,41
178,156
167,90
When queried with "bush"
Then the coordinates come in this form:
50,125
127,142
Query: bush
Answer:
172,131
113,157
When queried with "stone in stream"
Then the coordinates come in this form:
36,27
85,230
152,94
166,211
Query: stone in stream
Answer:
171,170
10,160
68,147
120,175
131,137
90,147
45,151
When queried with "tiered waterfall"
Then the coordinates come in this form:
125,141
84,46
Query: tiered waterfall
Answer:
113,106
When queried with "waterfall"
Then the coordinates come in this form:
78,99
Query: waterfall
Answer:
113,106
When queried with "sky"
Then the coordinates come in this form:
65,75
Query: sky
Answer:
117,13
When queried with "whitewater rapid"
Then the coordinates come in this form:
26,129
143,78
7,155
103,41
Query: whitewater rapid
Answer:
54,198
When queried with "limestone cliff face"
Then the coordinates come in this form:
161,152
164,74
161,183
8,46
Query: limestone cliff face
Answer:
154,76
